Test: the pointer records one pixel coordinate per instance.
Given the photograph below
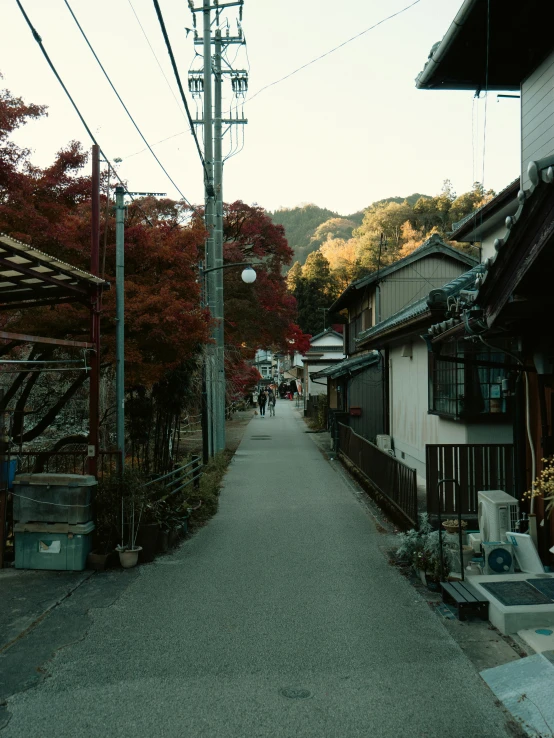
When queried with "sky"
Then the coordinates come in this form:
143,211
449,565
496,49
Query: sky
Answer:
347,130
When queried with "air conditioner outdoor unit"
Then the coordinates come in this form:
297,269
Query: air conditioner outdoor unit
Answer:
384,442
499,558
497,514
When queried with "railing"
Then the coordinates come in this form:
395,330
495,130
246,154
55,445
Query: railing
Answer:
391,479
177,480
475,466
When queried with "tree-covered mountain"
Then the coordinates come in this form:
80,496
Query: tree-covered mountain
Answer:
341,250
305,224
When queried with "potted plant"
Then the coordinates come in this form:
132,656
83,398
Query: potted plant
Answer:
452,526
421,549
131,489
107,503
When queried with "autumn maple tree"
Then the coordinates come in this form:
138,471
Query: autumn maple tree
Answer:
165,323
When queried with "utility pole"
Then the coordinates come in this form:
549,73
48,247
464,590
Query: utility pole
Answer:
209,216
220,388
120,325
94,388
200,81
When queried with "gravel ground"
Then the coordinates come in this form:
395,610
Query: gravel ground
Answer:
279,618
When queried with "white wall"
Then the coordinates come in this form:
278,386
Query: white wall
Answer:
411,425
537,116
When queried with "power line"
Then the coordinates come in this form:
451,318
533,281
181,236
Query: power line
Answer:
313,61
124,106
156,58
38,39
178,79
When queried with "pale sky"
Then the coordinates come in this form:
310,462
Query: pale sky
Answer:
346,131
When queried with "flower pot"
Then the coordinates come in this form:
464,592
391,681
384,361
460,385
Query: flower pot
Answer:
173,537
163,541
128,557
147,539
98,561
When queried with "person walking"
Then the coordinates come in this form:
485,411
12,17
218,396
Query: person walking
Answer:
271,402
262,399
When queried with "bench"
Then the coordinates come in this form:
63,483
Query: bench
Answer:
466,598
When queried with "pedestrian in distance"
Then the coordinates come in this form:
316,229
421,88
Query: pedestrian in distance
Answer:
262,399
271,402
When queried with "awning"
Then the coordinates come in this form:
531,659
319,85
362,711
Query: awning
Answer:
29,277
348,366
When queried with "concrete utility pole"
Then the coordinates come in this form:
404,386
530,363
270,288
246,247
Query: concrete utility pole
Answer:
120,324
209,361
220,387
200,81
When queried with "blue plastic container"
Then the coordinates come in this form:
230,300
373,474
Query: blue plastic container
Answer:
56,547
7,473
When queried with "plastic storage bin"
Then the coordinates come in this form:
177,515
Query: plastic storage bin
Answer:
56,546
53,498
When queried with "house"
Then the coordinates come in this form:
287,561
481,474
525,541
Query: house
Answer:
326,350
358,385
263,361
509,307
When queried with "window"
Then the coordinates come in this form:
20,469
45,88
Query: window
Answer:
471,387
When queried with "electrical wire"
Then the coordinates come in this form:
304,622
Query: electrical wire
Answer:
322,56
38,39
124,106
157,60
486,91
178,79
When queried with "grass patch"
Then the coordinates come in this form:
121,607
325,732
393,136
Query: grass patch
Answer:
210,487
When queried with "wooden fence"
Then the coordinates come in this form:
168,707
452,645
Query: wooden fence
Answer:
475,466
392,479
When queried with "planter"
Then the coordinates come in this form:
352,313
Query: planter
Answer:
98,561
128,557
163,541
425,579
147,539
453,528
173,537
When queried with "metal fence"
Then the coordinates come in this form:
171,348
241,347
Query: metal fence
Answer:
64,462
392,479
476,467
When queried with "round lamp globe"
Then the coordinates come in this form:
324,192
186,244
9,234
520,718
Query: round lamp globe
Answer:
248,275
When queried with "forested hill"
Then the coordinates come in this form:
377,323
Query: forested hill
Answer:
302,222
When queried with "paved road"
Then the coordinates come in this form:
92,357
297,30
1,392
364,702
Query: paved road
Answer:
280,618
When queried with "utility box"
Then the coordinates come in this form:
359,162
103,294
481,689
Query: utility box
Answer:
53,498
54,546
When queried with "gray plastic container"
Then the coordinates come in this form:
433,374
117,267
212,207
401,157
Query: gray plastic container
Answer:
53,498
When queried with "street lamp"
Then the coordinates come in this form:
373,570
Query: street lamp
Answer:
213,397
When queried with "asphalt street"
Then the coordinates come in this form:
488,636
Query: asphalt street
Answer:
280,618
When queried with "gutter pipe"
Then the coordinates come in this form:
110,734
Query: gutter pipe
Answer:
437,56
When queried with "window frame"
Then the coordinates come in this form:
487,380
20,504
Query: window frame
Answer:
468,385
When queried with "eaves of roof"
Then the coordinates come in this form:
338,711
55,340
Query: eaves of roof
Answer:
490,44
433,245
348,366
475,225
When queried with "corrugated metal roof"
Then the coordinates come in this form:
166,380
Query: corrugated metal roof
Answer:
27,274
421,307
